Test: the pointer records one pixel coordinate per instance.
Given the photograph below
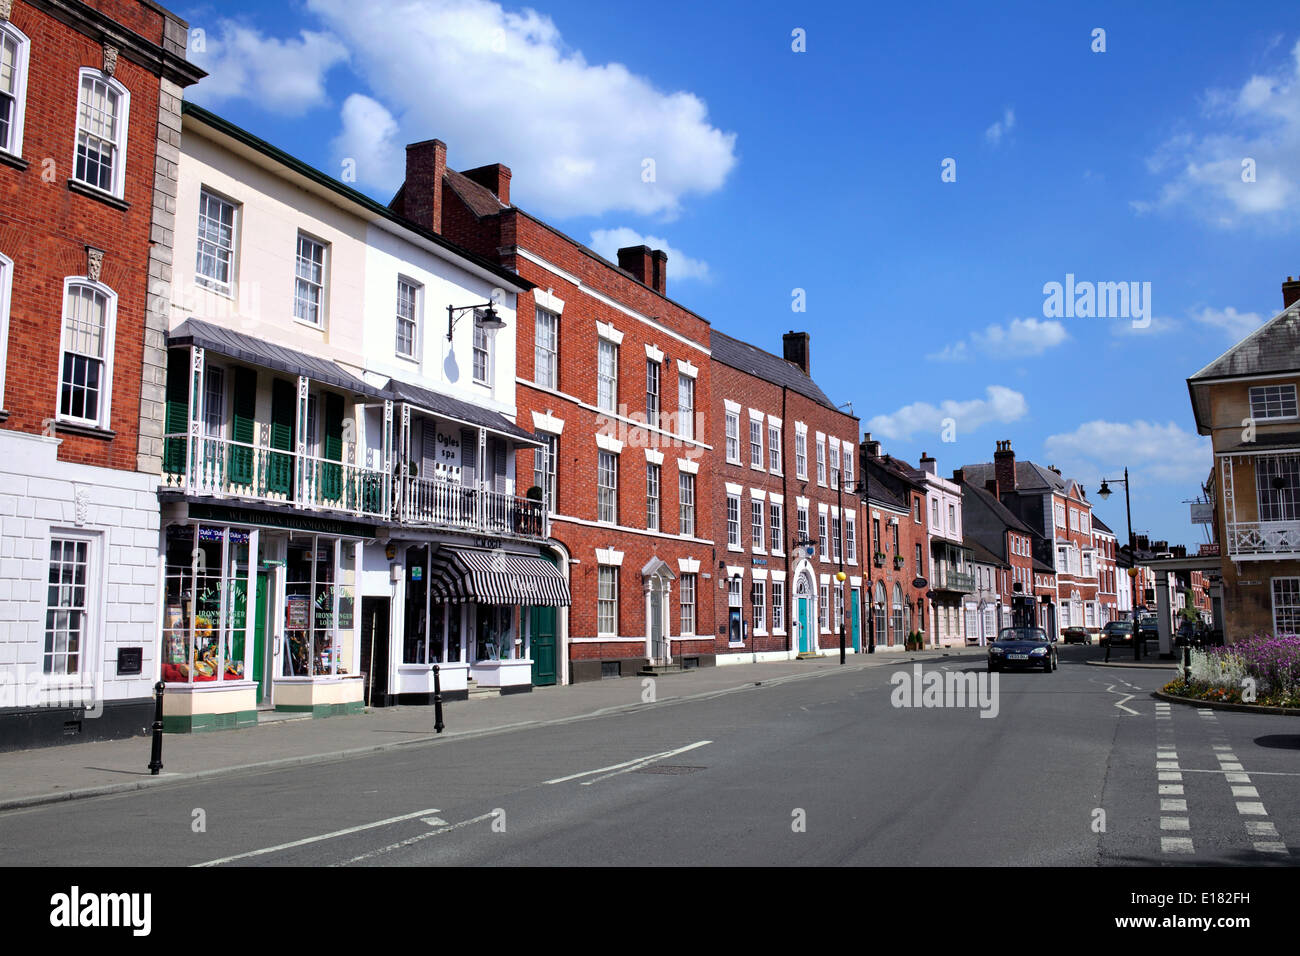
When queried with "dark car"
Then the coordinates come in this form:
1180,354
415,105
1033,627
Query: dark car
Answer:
1117,632
1022,647
1076,635
1148,629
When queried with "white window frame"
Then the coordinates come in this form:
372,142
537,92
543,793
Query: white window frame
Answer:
121,126
758,605
1060,514
688,594
300,280
484,344
604,403
1273,395
851,536
88,649
607,574
6,297
546,348
756,446
800,452
413,320
685,406
823,607
685,504
104,416
847,451
606,494
546,456
757,537
733,522
776,524
200,278
774,448
653,496
733,437
823,536
17,118
1291,584
821,461
778,607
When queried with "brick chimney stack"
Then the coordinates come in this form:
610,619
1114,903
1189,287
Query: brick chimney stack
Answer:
495,177
1004,466
870,448
1290,292
958,476
648,266
991,486
929,465
426,163
796,349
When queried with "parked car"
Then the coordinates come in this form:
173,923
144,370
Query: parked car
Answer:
1148,630
1076,635
1022,647
1116,633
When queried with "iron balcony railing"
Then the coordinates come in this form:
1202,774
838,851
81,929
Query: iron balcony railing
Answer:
1263,537
948,580
221,467
450,504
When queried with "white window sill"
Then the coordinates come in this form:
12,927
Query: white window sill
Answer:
314,326
413,359
735,547
757,633
778,632
757,551
209,285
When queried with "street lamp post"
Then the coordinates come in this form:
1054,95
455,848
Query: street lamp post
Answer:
1104,493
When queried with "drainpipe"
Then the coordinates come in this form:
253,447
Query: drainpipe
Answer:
785,523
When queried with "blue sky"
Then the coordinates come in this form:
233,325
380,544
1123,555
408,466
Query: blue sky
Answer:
820,170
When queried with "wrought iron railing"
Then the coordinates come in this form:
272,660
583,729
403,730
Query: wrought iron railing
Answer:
1263,537
450,504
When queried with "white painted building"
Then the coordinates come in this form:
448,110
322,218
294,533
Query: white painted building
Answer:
950,576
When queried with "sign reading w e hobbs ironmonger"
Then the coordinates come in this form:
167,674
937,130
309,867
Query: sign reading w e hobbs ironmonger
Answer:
279,519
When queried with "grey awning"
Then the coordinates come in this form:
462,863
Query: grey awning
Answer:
453,408
254,351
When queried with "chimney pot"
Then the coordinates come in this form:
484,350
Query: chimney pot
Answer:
1290,292
796,349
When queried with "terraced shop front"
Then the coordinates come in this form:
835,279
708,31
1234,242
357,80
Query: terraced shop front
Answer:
259,613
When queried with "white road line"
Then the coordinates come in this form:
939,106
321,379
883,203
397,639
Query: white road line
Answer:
1261,828
1173,806
1239,791
1175,823
416,839
1251,808
317,839
1166,764
646,762
1170,776
1171,789
1271,847
628,765
1176,845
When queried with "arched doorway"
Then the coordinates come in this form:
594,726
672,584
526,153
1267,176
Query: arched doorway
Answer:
805,612
657,577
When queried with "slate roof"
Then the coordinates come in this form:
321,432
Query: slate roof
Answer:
881,495
254,351
754,361
457,410
1098,523
1029,476
1000,511
1273,347
982,555
1043,568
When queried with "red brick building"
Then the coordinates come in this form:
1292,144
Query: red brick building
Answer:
995,528
90,98
616,376
783,475
898,542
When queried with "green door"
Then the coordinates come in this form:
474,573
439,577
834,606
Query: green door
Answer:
804,646
259,634
542,645
857,627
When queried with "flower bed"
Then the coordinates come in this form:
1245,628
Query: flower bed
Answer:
1271,664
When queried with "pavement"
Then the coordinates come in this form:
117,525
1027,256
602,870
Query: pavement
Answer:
76,771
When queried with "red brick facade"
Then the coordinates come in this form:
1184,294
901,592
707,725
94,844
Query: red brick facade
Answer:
594,299
46,227
751,398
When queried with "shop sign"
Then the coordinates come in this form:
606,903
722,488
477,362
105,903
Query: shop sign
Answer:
296,610
279,519
448,455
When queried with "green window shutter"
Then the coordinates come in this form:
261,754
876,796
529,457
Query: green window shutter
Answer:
242,426
332,475
177,410
279,478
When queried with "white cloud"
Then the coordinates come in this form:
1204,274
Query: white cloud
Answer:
1153,452
501,86
607,242
1001,405
1000,128
283,76
370,138
1234,325
1259,122
1159,325
1018,339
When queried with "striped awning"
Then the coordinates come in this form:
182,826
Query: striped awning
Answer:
463,575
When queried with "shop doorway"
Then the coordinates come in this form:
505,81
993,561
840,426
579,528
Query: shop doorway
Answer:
542,645
374,649
261,644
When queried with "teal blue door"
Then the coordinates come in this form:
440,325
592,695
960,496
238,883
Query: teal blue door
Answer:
804,646
857,627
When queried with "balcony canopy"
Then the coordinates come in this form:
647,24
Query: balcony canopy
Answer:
462,575
254,351
444,406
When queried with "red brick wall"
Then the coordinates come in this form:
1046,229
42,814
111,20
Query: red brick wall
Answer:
910,534
46,228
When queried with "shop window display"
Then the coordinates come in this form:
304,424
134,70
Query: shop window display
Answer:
205,625
320,588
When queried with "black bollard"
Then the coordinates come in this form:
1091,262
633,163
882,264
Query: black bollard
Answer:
1187,660
155,757
437,700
